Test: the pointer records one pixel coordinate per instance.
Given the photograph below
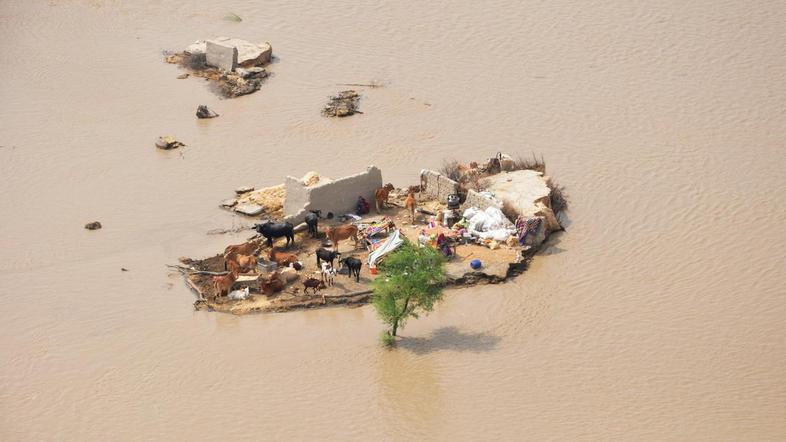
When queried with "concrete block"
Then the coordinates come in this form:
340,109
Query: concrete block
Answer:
221,55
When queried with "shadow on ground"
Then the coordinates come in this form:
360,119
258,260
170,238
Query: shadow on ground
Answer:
452,339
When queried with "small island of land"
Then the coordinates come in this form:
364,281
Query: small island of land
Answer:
489,219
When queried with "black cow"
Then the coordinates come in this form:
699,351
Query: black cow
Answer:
326,255
312,221
353,265
271,231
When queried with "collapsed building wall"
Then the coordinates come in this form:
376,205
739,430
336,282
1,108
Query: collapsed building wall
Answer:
527,190
339,196
482,202
437,186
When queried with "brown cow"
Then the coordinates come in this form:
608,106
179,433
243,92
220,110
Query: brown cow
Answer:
410,204
223,284
381,196
274,284
242,263
338,233
247,248
281,258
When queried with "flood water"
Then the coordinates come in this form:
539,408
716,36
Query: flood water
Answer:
658,316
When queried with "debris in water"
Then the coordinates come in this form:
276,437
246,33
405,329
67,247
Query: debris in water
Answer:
123,269
95,225
243,189
342,105
249,209
168,142
233,17
182,76
205,112
374,84
234,65
232,202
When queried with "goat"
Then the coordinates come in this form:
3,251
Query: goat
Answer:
313,283
353,265
381,195
410,204
328,273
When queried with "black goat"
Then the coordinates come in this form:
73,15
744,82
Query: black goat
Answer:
312,221
353,265
271,230
326,255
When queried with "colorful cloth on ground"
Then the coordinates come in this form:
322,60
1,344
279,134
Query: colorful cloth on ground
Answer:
378,226
526,226
391,243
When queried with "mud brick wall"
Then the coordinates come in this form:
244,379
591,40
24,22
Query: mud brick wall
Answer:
339,196
474,199
437,186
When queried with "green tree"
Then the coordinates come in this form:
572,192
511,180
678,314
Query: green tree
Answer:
410,283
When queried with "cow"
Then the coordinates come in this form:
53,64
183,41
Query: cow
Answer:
247,248
338,233
274,284
312,221
353,265
242,263
281,258
324,254
381,195
410,204
271,231
223,284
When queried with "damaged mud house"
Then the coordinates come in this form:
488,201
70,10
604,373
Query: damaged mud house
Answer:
488,219
232,65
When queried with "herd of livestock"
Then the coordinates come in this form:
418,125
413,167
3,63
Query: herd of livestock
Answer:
242,258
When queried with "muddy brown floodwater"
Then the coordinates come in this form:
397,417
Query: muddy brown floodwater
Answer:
659,315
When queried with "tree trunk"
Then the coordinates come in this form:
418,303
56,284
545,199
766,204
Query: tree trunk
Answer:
398,318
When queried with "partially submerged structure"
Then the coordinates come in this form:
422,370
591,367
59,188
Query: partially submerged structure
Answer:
232,64
489,220
295,198
344,104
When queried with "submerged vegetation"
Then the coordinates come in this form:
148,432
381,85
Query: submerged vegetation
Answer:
521,163
559,198
411,283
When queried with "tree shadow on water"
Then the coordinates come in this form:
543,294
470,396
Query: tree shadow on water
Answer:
451,339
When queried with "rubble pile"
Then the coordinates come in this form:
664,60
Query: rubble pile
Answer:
233,65
342,105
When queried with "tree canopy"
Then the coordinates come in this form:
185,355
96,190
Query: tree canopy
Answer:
411,283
